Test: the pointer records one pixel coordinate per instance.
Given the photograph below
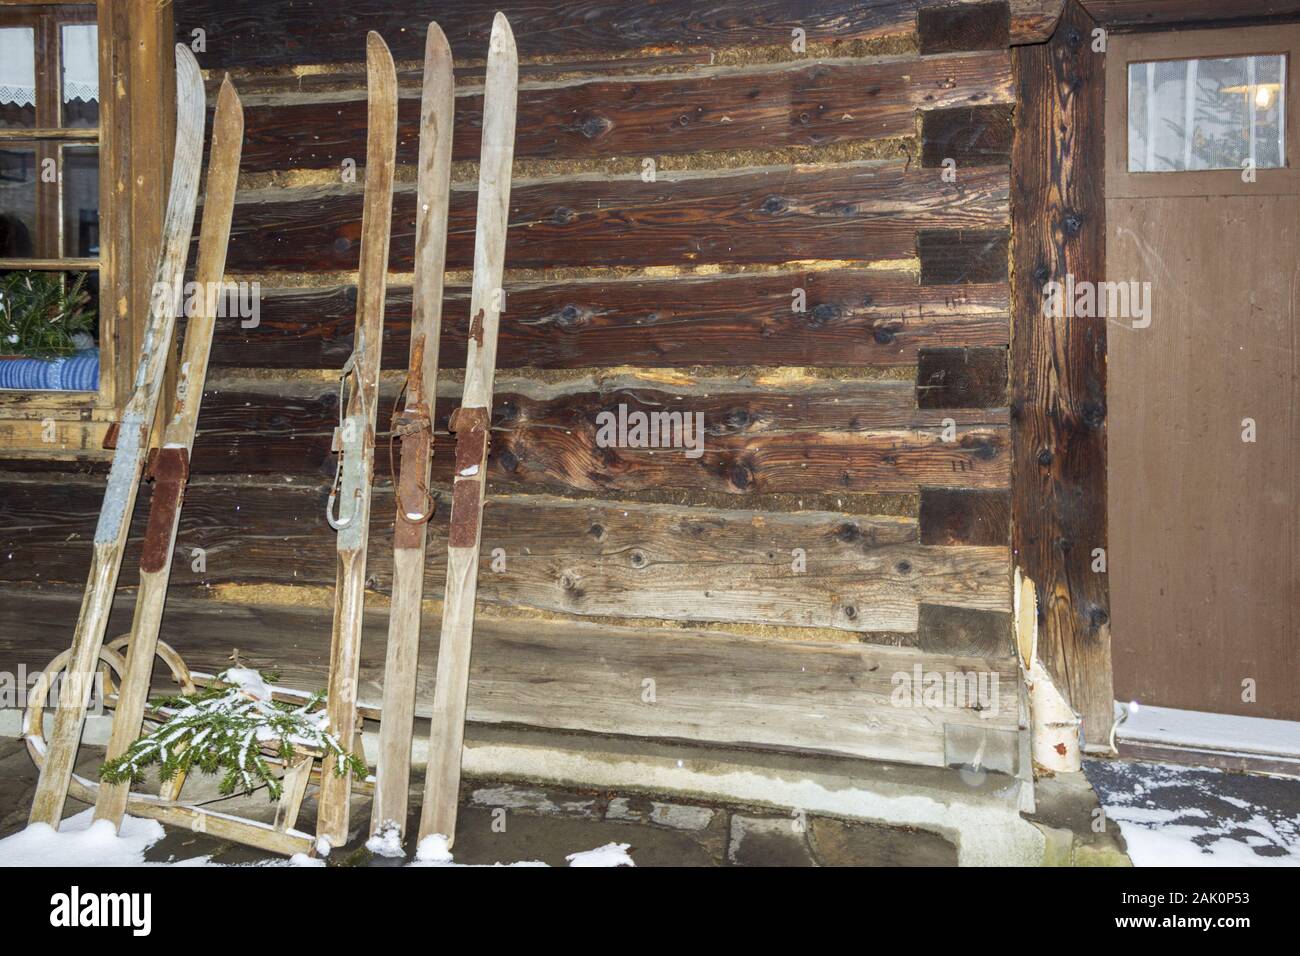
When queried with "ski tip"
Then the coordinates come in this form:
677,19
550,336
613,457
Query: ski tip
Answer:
187,67
377,52
436,47
503,38
228,96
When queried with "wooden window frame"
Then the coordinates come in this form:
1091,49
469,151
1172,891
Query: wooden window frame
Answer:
136,123
1123,49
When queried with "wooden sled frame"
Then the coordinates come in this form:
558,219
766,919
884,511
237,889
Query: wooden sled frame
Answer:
280,836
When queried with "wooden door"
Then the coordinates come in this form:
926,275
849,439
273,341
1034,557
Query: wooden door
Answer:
1204,433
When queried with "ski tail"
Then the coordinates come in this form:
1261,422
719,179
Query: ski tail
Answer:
133,436
171,466
471,424
415,426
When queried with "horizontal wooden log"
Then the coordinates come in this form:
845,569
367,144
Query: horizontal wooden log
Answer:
806,569
1140,13
849,317
712,687
962,630
948,28
961,378
965,516
957,256
723,108
968,136
857,211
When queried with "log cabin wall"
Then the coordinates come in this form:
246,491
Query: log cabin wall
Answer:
819,266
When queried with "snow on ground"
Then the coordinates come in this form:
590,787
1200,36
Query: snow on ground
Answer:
84,841
1185,816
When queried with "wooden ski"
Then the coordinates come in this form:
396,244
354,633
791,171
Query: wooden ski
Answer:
470,423
354,439
171,465
415,426
132,443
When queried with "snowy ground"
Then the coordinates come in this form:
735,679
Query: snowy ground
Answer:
1185,816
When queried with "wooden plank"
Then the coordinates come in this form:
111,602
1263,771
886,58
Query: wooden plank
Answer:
961,378
866,210
578,676
951,28
621,559
1140,13
958,256
967,135
849,317
821,104
952,516
1058,491
283,32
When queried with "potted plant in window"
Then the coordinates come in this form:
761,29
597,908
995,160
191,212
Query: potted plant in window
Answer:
47,324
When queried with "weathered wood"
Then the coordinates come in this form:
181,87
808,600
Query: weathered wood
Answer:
413,500
128,461
954,257
282,32
708,686
964,631
1139,13
171,466
968,135
965,516
356,437
950,28
863,210
715,108
617,559
471,424
850,317
1059,389
961,378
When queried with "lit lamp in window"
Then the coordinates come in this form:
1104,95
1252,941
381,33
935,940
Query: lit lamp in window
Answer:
1264,94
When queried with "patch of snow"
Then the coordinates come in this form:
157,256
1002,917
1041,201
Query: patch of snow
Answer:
249,681
433,850
302,859
611,854
387,840
81,841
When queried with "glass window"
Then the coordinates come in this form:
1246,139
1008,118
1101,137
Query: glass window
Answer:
1223,113
17,77
80,51
18,201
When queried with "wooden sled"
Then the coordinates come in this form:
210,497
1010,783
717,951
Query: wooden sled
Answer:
168,805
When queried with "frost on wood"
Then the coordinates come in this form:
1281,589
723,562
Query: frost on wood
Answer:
225,728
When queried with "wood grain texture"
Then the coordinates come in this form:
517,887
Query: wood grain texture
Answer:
961,378
589,677
1138,13
619,559
965,516
949,28
717,108
865,210
1059,390
849,317
967,135
960,256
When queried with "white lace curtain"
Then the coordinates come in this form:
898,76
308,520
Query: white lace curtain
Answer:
18,64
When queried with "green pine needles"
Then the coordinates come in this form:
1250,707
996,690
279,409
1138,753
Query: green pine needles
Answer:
40,312
224,728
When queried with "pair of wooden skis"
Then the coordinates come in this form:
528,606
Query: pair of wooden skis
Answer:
170,464
414,425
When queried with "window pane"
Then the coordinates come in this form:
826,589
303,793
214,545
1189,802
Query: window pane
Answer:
80,74
1207,114
49,331
17,77
81,201
17,201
